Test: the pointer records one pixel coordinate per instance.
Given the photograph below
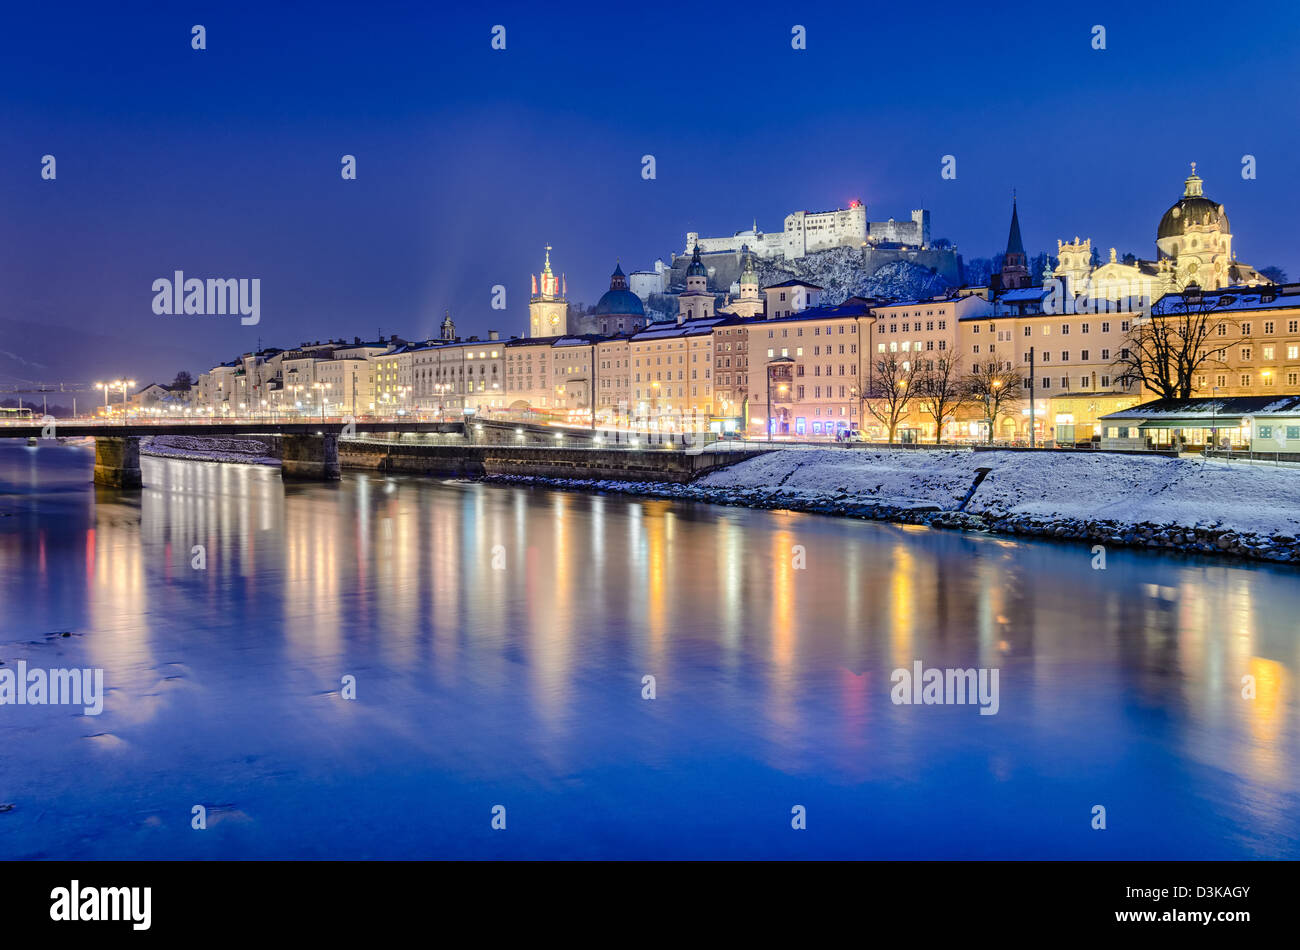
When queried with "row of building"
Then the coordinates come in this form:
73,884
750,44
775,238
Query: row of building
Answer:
776,358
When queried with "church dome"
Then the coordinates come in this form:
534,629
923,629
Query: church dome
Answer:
620,303
697,268
1192,212
618,300
1193,209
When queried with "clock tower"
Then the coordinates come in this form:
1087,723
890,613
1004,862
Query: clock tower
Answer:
548,310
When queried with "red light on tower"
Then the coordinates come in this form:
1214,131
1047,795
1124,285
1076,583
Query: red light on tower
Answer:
855,203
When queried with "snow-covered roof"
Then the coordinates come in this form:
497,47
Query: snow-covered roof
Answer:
1021,294
1222,407
661,331
583,339
793,283
1272,297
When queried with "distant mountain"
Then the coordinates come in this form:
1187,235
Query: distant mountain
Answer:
841,274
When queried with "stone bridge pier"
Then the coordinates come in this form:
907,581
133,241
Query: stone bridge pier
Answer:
117,461
310,457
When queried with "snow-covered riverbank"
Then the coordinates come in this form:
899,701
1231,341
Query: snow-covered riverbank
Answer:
247,451
1135,500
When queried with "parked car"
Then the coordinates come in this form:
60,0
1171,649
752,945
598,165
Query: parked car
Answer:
849,435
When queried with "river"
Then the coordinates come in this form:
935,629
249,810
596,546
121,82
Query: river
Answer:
498,638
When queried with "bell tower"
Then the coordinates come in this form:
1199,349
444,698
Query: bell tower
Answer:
548,310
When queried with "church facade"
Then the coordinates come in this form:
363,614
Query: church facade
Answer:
1193,248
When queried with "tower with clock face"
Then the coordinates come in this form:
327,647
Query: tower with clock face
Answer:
548,310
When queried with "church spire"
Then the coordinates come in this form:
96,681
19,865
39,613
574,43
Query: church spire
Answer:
1014,244
1015,263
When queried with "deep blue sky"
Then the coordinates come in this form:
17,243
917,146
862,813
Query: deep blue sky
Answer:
226,162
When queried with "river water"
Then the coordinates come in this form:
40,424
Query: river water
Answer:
499,637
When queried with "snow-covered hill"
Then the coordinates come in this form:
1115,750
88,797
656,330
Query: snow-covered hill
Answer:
841,274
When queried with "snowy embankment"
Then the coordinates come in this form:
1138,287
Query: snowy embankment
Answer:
1136,500
248,451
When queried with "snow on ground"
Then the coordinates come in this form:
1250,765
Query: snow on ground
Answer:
248,451
1129,488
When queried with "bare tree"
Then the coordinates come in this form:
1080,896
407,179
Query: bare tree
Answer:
943,391
1184,334
889,388
998,390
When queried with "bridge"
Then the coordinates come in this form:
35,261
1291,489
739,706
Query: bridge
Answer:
311,450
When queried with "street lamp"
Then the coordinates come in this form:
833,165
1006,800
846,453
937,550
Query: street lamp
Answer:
322,389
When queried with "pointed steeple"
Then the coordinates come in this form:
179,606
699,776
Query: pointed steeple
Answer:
1014,244
1015,263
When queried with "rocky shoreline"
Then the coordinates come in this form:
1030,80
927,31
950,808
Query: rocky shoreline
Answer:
1166,537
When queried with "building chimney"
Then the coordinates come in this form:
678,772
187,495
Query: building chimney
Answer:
493,335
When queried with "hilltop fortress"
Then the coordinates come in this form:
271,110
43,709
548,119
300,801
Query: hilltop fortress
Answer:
806,233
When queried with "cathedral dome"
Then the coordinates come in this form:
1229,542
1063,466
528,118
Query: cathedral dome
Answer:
618,300
1193,209
620,303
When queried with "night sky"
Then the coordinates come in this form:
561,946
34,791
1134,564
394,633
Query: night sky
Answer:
225,162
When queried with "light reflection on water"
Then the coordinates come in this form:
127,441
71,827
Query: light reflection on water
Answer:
522,685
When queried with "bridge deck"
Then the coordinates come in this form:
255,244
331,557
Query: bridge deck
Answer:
217,429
